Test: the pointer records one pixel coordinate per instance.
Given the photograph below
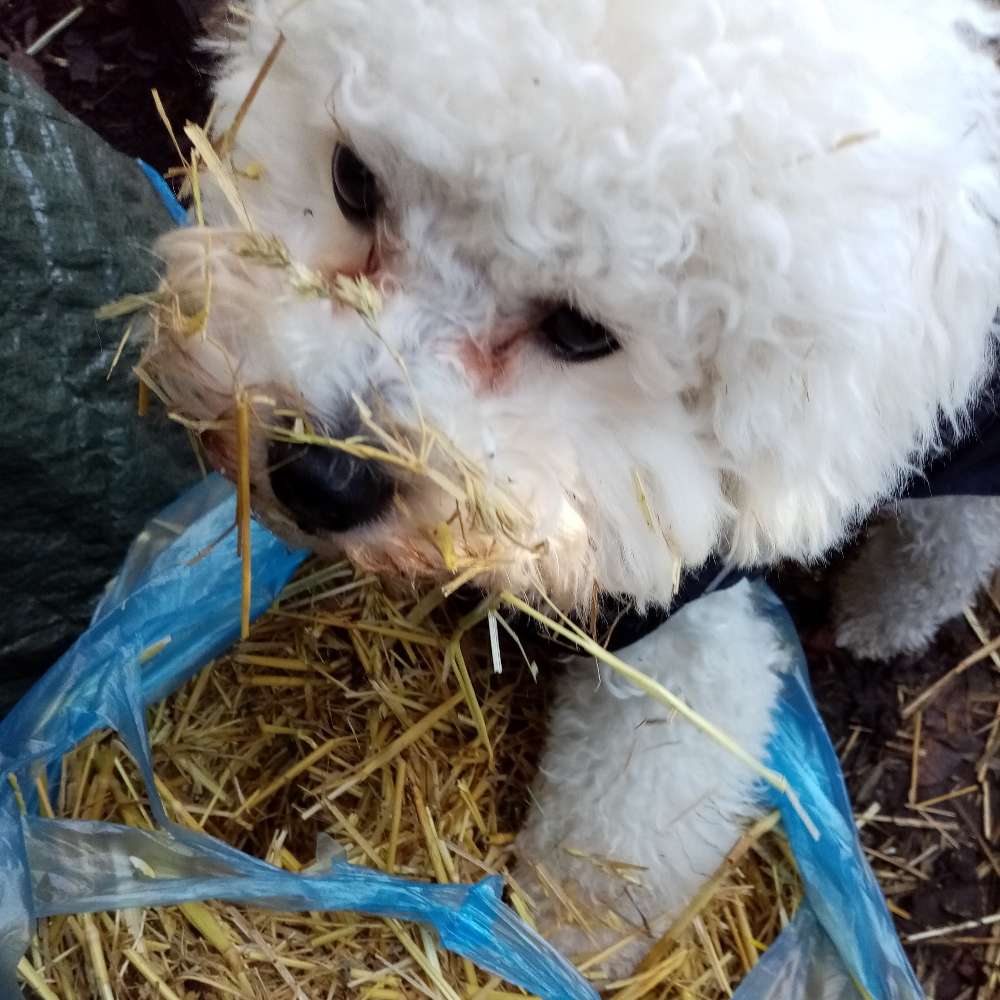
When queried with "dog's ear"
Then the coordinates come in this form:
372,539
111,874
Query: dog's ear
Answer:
814,445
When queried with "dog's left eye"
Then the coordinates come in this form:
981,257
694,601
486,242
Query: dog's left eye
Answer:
574,337
354,187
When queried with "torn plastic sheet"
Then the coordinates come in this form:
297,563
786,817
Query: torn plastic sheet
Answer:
181,582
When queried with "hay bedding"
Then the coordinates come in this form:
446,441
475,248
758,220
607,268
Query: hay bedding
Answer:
354,715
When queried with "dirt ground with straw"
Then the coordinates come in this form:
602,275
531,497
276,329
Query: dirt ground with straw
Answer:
249,747
919,740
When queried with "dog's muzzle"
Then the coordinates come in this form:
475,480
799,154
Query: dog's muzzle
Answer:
325,489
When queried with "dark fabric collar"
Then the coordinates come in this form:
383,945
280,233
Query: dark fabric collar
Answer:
968,462
620,624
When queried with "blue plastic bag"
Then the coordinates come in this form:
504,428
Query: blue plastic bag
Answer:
177,602
841,943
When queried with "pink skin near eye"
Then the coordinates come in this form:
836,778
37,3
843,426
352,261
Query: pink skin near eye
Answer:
487,361
488,364
356,267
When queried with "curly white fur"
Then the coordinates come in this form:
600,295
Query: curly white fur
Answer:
786,212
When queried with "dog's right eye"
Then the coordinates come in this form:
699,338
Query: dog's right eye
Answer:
354,187
574,337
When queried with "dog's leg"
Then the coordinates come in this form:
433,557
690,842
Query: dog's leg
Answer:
915,572
623,782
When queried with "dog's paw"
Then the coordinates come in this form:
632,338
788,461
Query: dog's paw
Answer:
873,633
885,603
633,808
877,619
914,572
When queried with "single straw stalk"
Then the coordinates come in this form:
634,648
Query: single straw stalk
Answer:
243,508
47,36
225,143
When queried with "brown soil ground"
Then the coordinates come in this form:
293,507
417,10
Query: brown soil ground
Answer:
939,864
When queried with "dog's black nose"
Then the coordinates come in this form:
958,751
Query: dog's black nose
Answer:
325,489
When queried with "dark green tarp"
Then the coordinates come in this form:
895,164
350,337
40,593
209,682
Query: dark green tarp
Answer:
79,472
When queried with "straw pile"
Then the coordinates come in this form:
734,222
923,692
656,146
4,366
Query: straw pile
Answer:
358,715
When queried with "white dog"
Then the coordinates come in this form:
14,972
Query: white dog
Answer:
683,281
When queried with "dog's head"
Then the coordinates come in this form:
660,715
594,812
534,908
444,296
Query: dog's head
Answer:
654,280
